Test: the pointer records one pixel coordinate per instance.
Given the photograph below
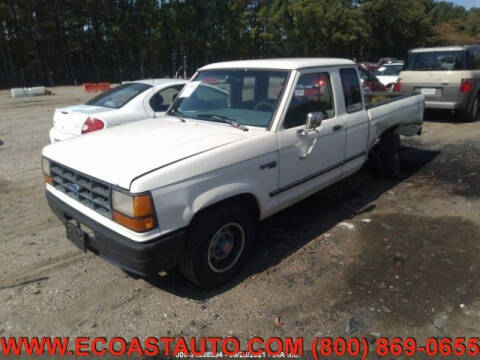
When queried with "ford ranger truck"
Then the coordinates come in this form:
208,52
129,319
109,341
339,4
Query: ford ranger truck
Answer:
242,141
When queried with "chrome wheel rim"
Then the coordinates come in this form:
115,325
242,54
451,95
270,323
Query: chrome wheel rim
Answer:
226,247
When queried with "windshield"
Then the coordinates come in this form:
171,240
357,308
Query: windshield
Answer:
436,61
247,97
389,70
119,96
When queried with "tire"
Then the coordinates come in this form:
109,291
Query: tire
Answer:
473,112
218,244
388,153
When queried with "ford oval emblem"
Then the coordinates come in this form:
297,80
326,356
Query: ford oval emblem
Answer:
75,188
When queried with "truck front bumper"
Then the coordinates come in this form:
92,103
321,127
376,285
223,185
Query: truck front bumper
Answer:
142,258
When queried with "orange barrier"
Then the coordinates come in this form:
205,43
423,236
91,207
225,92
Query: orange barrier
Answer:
95,87
103,86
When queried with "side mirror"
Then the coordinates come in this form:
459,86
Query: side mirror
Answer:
314,120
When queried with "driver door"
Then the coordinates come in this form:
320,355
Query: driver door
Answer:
310,160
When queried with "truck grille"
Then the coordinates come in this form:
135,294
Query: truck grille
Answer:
88,191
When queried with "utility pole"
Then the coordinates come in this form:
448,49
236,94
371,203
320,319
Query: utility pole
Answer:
184,66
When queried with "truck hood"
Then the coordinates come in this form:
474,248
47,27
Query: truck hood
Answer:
121,154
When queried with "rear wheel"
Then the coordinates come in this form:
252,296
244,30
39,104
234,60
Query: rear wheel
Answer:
218,244
473,112
387,151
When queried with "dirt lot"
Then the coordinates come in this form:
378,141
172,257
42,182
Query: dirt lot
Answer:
363,258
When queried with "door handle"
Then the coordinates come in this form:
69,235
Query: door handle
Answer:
337,127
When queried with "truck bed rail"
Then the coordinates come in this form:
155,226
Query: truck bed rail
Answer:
381,98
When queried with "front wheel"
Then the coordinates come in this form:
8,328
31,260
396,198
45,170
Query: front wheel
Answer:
218,244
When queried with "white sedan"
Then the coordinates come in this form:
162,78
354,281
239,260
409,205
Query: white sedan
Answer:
126,103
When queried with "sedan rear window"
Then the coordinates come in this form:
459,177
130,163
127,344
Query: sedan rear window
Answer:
119,96
436,61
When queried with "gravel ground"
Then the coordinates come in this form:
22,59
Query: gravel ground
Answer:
365,257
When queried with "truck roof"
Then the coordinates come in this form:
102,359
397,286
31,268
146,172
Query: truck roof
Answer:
280,64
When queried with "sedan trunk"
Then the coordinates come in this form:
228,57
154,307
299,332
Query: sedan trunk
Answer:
71,119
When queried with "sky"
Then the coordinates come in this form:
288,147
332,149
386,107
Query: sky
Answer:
466,3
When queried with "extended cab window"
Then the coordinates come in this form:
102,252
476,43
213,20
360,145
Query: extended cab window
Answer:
313,93
351,90
164,98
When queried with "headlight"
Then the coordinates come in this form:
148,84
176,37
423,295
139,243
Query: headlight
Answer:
122,202
133,212
46,171
46,166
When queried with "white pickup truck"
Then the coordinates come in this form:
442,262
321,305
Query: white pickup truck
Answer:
242,141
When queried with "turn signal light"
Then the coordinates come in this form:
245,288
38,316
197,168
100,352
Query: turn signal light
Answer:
142,206
47,179
466,85
136,224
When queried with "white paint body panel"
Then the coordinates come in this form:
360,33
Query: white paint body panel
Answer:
120,154
190,165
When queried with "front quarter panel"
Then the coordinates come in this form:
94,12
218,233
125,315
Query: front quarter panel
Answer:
184,188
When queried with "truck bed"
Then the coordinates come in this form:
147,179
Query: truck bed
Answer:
376,99
387,110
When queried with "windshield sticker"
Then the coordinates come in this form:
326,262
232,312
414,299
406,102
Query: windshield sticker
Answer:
189,89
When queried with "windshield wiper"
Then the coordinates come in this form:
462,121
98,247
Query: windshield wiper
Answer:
223,119
177,114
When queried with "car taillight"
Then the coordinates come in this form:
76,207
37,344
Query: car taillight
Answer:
398,85
92,124
466,85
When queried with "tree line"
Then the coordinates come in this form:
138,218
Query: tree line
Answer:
53,42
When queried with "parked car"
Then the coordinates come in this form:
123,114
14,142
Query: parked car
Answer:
449,77
129,102
387,60
388,74
370,81
188,189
